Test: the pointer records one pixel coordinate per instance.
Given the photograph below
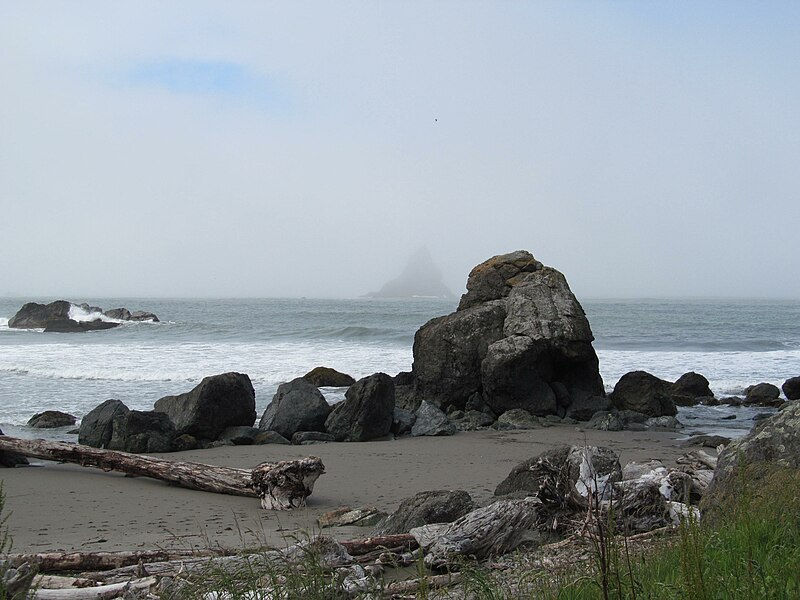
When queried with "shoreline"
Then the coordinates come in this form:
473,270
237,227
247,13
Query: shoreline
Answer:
60,507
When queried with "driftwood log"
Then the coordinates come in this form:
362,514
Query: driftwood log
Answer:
283,485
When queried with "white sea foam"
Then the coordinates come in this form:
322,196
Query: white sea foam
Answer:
81,315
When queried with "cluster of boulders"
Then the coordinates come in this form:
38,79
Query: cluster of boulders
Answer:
59,316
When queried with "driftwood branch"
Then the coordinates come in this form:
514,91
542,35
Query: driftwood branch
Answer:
281,486
101,592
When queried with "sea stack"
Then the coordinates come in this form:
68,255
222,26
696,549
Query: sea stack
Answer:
519,339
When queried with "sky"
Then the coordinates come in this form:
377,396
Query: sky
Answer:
227,149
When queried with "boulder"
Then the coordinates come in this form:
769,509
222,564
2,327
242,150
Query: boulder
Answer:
583,409
606,421
366,412
762,394
240,435
791,388
327,377
689,389
706,441
270,437
217,402
185,442
473,420
97,426
402,421
519,339
666,423
431,421
50,419
769,450
139,431
9,460
528,476
424,508
141,315
297,406
121,314
644,393
518,418
301,438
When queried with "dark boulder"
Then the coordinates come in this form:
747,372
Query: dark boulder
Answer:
302,438
791,388
270,437
50,419
327,377
217,402
9,460
402,421
762,394
517,418
240,435
297,406
121,314
644,393
519,339
141,315
606,421
139,431
583,409
97,426
431,421
366,412
689,389
185,442
529,475
425,508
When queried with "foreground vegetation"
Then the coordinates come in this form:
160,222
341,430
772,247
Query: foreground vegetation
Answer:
750,549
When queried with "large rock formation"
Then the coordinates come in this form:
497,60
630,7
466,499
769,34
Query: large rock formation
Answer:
218,402
519,339
420,278
65,317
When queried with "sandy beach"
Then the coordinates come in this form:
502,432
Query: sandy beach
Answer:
66,507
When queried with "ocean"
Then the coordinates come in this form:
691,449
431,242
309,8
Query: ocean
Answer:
734,343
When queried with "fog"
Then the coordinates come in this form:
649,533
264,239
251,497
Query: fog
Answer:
309,148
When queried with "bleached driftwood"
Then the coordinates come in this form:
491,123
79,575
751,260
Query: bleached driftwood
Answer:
282,485
56,562
488,531
100,592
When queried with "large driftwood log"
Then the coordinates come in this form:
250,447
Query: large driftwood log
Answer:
57,562
102,592
283,485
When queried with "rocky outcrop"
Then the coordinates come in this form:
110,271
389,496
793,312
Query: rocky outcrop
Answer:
297,406
791,388
645,393
366,412
327,377
420,278
65,317
218,402
438,506
97,426
142,431
771,447
519,339
50,419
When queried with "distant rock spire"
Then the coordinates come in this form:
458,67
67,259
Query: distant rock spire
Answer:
420,278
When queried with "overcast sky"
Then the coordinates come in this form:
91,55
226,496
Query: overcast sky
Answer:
309,148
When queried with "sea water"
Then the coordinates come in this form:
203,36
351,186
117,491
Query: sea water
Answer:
734,343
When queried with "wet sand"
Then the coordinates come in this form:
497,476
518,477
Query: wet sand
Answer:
66,507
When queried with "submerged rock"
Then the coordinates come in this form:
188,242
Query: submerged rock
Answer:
327,377
50,419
